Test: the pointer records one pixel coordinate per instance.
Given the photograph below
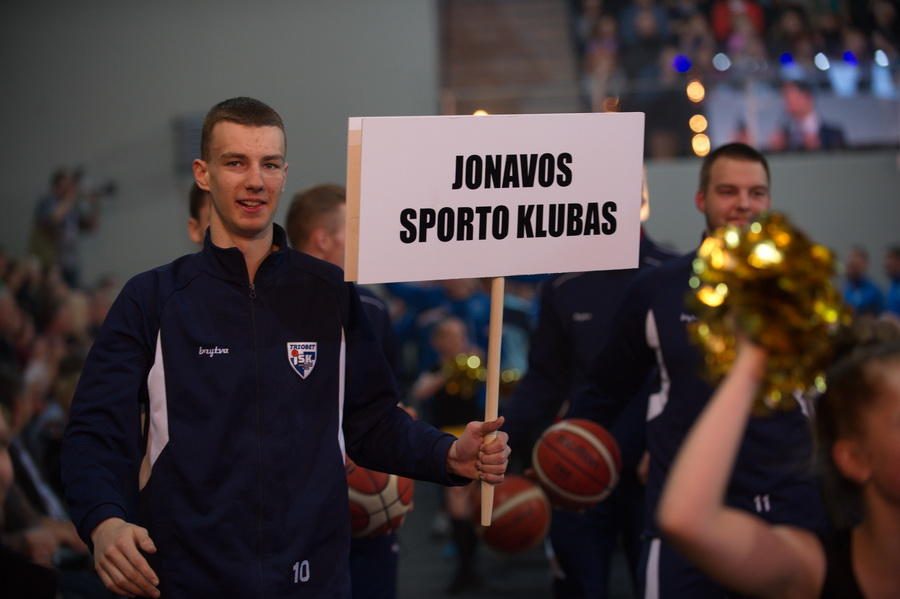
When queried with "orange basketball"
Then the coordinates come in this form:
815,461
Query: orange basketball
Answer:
521,516
378,502
577,463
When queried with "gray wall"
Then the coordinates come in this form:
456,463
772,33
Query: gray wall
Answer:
98,83
838,199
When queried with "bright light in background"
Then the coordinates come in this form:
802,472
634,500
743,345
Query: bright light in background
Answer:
698,123
850,57
700,144
480,112
785,58
881,58
695,91
721,62
681,63
821,62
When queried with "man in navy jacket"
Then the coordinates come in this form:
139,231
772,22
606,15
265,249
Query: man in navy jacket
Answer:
576,311
772,477
257,371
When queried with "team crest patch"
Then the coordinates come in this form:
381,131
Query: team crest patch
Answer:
302,356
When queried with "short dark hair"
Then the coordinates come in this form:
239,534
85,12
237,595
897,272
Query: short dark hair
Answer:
735,151
854,381
196,199
309,207
240,110
800,85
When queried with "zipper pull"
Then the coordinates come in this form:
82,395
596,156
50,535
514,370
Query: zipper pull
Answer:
252,291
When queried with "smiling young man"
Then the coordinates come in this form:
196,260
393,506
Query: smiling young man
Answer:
256,372
771,476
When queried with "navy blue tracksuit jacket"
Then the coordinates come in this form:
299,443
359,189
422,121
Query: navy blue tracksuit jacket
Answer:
252,393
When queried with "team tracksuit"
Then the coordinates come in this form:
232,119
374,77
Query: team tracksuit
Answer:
251,393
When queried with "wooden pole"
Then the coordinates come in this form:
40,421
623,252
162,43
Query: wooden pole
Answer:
492,403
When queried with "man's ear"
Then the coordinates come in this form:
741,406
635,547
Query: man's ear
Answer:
851,460
320,240
700,201
201,173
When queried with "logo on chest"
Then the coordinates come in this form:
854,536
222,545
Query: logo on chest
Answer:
212,351
302,356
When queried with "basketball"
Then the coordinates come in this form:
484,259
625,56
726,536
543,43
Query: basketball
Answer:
577,463
521,516
378,502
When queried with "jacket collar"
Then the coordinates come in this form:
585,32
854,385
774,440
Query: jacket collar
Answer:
228,263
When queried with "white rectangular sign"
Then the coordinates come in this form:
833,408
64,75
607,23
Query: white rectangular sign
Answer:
464,196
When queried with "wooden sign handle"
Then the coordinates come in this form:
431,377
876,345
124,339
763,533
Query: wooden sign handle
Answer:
492,403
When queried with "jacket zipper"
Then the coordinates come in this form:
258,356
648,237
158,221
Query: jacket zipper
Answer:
259,517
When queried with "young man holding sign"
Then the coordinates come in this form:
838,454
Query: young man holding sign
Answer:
258,370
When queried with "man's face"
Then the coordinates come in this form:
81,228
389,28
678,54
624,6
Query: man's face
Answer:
797,102
737,192
857,264
245,175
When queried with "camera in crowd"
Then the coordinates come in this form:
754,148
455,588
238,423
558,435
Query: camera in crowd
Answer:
99,188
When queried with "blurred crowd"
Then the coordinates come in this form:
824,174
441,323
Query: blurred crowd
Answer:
638,56
48,319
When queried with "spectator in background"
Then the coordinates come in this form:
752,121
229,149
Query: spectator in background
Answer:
642,46
886,30
790,29
804,128
10,318
199,207
19,575
646,10
859,291
695,40
602,74
421,305
725,13
101,300
60,218
892,270
34,524
452,398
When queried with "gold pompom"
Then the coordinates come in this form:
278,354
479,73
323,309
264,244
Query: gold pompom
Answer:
774,285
